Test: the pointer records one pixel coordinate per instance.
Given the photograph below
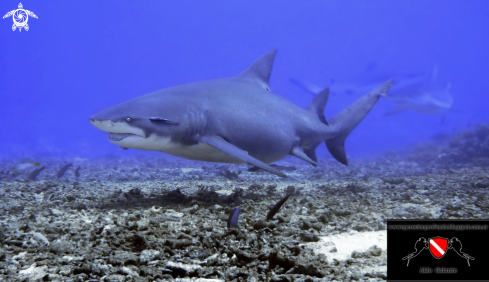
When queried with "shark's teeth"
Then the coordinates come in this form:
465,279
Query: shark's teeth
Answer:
119,136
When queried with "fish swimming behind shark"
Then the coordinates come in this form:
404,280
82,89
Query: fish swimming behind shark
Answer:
417,93
422,98
233,120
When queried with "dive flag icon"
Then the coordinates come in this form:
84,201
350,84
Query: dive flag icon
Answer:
438,246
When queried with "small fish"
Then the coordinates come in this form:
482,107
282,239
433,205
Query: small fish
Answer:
40,237
77,172
279,167
23,167
234,214
422,97
33,175
229,174
62,171
233,217
277,206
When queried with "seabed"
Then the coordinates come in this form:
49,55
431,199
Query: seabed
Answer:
160,219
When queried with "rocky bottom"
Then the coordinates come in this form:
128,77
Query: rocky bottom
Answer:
157,219
94,227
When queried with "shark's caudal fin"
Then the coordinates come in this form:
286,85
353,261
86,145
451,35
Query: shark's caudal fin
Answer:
344,122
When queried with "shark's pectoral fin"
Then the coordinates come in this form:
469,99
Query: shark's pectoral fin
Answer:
296,152
228,148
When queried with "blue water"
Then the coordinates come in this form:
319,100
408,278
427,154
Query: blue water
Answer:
79,57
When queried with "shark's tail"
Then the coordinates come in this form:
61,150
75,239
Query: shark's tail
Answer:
344,122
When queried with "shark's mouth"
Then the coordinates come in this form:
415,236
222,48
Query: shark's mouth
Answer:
119,136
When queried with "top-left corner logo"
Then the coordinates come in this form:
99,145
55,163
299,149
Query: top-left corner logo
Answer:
20,17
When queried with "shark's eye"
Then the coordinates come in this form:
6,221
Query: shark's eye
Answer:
128,119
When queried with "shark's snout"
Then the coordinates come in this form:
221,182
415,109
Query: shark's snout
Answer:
120,128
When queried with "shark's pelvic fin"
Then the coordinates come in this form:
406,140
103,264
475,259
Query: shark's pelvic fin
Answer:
261,69
296,152
344,122
318,105
228,148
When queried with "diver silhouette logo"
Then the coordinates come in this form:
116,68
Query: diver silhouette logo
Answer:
455,245
20,17
438,247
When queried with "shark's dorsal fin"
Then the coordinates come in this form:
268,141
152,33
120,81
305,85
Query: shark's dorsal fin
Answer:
261,69
318,104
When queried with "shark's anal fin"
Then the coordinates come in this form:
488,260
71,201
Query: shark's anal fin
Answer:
228,148
311,152
296,152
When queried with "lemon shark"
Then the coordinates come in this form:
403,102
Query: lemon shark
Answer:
417,93
233,120
425,98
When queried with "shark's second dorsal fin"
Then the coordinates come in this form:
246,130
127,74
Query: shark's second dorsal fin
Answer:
261,69
318,104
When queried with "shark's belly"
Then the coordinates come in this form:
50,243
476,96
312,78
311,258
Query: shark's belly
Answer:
199,151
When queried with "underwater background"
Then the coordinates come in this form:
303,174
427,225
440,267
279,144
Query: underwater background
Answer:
80,57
